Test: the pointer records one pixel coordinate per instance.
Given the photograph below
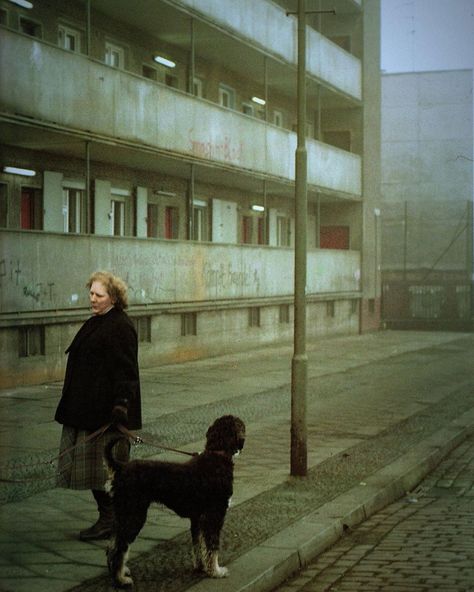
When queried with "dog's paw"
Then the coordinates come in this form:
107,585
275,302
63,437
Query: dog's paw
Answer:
123,579
124,582
220,572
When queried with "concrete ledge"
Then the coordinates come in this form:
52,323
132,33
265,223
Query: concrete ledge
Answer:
266,566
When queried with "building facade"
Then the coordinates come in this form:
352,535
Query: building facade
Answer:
427,190
157,140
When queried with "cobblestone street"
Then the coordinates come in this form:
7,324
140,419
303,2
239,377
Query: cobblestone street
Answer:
423,542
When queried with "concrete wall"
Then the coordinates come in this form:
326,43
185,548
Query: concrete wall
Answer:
42,284
427,131
45,275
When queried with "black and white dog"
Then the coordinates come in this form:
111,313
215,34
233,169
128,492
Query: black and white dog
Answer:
199,489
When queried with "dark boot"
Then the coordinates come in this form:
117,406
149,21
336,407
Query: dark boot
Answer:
102,529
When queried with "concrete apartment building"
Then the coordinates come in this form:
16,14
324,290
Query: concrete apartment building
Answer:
427,192
156,139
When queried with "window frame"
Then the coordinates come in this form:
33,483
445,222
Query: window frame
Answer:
229,92
110,48
67,30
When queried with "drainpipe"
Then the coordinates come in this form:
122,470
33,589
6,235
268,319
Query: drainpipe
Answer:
88,188
88,28
192,58
190,225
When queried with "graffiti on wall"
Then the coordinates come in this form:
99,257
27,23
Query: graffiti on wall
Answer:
224,150
13,276
225,277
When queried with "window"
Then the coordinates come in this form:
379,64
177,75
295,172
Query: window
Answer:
283,231
172,81
226,96
143,328
3,205
3,17
171,222
200,221
284,313
114,55
261,237
247,227
152,220
118,218
254,316
343,41
69,38
188,324
75,200
149,72
340,138
330,308
31,341
31,217
278,118
248,109
31,28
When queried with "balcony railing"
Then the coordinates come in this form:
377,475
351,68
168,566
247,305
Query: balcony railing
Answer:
267,25
40,276
102,101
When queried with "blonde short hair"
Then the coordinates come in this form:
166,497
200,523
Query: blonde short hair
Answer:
116,288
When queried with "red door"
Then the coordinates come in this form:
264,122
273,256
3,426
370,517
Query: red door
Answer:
27,209
334,237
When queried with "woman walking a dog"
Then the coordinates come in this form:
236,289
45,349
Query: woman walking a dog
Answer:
101,387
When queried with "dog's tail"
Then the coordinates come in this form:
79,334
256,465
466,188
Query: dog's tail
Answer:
112,463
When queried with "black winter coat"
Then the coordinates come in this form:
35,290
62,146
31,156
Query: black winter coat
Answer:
102,371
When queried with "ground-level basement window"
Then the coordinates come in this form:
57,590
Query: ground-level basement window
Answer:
188,324
143,328
31,341
284,314
254,316
330,308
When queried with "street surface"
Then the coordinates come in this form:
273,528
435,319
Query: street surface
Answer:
424,542
371,400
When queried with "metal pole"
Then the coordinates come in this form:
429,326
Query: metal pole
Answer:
300,359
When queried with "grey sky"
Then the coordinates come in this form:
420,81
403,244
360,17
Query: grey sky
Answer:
420,35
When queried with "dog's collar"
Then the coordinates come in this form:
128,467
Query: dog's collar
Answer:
223,453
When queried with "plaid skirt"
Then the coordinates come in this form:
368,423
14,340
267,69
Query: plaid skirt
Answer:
82,464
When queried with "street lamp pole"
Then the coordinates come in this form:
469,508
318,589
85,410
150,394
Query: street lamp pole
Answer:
299,370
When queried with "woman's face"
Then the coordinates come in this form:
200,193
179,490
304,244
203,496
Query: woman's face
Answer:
99,298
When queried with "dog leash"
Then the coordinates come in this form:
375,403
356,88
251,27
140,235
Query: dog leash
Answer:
139,440
97,434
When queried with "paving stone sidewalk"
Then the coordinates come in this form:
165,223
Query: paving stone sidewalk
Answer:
372,402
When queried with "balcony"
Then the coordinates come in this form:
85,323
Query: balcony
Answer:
95,101
41,279
266,25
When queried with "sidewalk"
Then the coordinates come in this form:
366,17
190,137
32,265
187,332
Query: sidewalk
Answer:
369,440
